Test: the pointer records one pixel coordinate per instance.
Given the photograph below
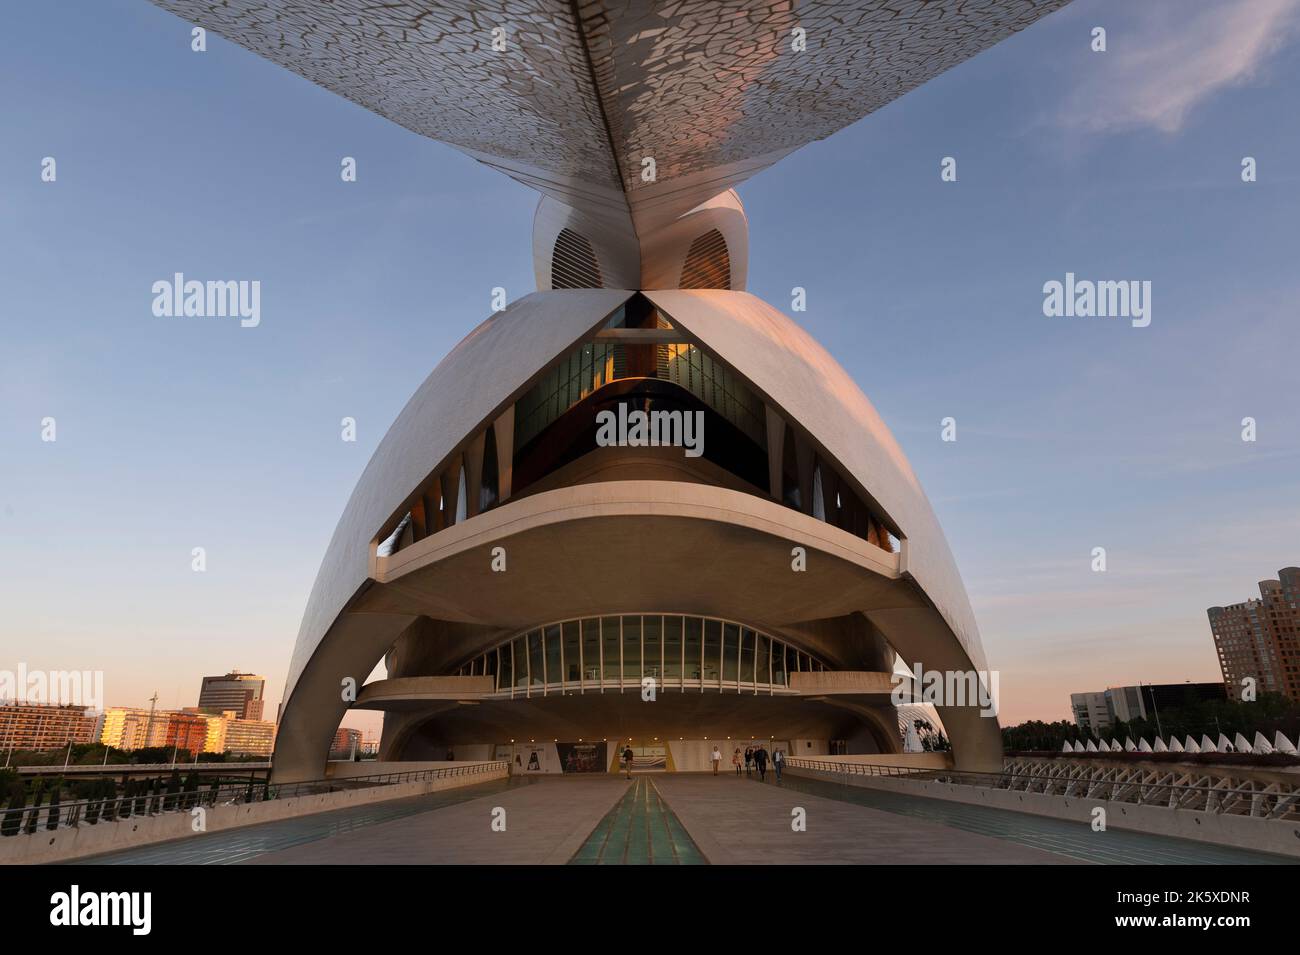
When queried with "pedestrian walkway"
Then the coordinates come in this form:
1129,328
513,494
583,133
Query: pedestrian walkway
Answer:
674,818
738,820
640,830
533,822
1069,840
241,845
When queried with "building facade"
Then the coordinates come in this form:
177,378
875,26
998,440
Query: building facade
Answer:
249,737
1091,711
1124,704
346,742
640,505
128,727
234,691
42,726
1258,640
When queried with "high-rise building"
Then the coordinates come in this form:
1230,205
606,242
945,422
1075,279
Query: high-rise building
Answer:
240,692
37,726
1259,638
1124,704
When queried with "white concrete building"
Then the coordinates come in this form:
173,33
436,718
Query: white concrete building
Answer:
747,554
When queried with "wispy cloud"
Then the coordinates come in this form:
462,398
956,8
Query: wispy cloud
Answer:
1170,60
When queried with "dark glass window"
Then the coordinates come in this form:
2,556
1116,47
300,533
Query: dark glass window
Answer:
591,650
747,656
712,650
609,640
730,652
778,663
632,648
553,671
672,648
652,630
694,654
572,649
536,665
520,649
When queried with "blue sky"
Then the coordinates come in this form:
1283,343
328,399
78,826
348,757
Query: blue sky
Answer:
1072,433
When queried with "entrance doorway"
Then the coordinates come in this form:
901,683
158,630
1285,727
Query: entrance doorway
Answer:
648,756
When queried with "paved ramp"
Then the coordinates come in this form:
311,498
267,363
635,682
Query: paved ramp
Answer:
546,821
738,820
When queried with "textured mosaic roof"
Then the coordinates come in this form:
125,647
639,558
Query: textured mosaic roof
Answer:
584,91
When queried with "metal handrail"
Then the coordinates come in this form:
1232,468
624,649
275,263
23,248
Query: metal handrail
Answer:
1007,780
250,790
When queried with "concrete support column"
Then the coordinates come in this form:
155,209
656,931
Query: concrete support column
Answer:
355,643
474,472
921,636
419,521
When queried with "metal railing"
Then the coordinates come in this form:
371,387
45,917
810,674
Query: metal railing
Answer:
159,800
1223,796
855,769
202,767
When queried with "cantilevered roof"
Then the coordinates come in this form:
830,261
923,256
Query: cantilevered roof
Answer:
584,90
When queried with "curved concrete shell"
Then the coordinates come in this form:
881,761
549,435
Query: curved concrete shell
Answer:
440,592
572,98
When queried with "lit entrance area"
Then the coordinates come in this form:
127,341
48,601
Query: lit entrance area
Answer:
648,755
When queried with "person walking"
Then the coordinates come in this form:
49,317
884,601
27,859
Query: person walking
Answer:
627,761
760,760
749,759
778,760
716,759
735,760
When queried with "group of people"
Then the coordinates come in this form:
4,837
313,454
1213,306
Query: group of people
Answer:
753,758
